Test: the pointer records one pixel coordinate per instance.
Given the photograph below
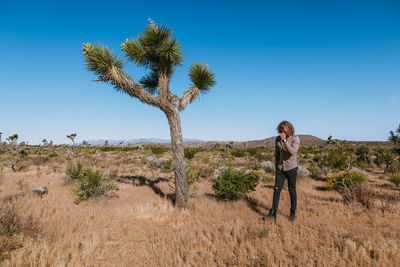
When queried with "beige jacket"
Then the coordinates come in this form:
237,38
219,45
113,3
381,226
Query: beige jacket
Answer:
286,153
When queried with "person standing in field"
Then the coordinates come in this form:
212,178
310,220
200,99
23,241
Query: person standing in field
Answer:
286,147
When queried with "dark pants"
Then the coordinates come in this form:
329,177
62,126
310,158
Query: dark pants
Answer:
279,181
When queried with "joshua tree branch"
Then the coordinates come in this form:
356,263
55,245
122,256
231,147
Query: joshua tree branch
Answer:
123,83
188,97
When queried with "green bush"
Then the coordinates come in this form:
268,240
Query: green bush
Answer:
315,171
238,153
90,183
346,178
53,155
234,184
74,172
394,178
192,174
94,184
158,149
189,152
336,159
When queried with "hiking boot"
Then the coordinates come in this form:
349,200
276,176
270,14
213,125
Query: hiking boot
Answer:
292,216
271,215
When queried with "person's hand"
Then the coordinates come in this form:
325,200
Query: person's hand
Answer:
283,135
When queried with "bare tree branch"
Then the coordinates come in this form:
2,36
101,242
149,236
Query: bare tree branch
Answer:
189,96
123,83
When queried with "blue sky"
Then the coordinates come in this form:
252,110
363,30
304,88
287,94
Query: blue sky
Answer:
329,67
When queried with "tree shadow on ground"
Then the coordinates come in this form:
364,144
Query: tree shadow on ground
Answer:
143,181
322,188
256,206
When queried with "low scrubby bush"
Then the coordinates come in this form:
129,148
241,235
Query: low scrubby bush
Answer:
90,184
238,153
234,184
302,172
164,164
268,166
189,152
158,149
192,174
53,155
93,184
347,178
346,183
394,178
315,171
74,172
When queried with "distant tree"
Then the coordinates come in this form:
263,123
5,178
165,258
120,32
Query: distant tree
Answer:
72,138
1,142
85,143
44,141
394,138
13,140
156,50
106,143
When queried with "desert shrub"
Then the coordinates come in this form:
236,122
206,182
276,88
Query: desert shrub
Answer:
348,178
74,172
205,159
192,174
254,165
268,166
335,159
189,152
362,155
23,154
238,153
206,172
386,157
158,149
315,171
268,178
53,155
88,153
302,172
394,178
345,183
234,184
164,164
93,184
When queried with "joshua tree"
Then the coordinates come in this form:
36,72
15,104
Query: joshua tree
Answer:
72,137
156,50
13,140
394,138
45,143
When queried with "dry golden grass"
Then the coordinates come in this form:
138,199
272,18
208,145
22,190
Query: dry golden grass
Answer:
140,228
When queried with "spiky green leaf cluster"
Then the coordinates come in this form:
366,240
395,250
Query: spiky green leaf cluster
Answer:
156,50
150,82
99,58
202,77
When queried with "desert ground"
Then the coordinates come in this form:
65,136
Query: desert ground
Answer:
139,225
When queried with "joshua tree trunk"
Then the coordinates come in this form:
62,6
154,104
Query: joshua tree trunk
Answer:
181,187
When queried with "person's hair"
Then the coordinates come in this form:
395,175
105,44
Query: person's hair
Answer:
286,127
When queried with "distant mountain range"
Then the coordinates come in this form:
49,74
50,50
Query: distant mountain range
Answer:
117,142
304,139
